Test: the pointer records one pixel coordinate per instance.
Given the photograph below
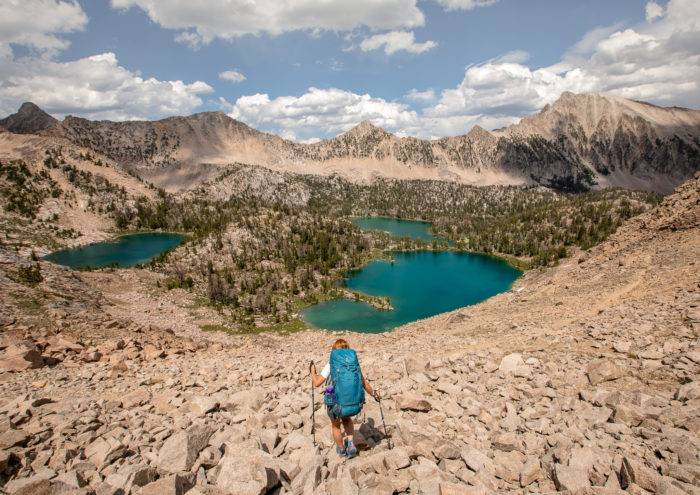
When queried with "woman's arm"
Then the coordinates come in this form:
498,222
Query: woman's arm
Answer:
368,388
316,379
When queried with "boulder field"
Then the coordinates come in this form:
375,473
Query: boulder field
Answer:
584,378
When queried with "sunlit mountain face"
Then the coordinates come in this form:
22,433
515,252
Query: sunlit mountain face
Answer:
426,69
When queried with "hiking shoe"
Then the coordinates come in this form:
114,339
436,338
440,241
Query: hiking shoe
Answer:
350,449
340,452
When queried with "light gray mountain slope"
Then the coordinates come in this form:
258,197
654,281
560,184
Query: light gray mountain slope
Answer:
578,142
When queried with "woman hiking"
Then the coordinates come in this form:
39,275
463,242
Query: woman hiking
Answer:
344,394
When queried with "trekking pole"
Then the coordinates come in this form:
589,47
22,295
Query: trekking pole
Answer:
313,408
381,412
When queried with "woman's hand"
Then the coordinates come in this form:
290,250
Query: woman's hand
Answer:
316,379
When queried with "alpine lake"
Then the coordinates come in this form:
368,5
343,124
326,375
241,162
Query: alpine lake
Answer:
122,252
419,284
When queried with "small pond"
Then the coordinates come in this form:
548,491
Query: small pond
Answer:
123,252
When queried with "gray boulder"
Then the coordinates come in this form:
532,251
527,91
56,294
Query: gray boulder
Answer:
412,402
180,450
603,370
246,470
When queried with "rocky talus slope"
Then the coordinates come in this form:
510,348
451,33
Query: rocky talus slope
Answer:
585,378
579,140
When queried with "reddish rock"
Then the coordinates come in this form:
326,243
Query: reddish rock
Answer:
21,356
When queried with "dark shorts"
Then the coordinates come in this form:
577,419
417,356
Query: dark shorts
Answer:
333,415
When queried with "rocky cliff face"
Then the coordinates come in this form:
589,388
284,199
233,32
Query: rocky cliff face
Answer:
576,143
621,142
29,119
573,144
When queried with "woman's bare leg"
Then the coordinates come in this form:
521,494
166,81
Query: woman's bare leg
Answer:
336,433
349,428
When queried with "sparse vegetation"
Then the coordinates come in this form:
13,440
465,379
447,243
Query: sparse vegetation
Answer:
262,256
275,245
29,274
532,224
22,191
290,326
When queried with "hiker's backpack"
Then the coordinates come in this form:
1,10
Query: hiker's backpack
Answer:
346,379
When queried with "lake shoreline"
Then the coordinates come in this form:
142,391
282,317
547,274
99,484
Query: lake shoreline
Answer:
417,230
116,253
419,283
519,264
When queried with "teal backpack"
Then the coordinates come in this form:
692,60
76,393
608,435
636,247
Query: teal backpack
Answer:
348,395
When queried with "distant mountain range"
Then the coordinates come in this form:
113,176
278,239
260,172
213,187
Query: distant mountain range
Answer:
578,142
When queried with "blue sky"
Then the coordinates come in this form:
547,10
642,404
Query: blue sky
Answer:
428,68
545,29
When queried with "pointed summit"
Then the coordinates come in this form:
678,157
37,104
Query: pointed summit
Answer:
363,129
29,119
479,133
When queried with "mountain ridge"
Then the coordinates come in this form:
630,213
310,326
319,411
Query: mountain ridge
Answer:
578,142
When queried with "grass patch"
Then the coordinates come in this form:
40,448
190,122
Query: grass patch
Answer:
291,326
314,298
514,261
284,327
30,305
216,328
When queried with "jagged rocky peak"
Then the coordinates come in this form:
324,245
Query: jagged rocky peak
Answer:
478,133
365,128
628,143
29,119
28,107
585,106
216,119
588,111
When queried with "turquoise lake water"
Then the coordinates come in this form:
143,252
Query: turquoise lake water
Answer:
419,284
414,229
124,251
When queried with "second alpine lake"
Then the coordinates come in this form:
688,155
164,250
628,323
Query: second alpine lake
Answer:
124,251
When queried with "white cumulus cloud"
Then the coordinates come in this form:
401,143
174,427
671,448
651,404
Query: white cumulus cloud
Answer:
36,23
233,76
507,89
206,20
95,87
191,39
653,11
465,4
318,112
422,96
395,41
658,62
